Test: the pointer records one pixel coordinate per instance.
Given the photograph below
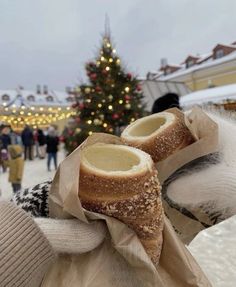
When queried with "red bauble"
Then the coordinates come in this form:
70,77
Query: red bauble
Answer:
127,97
115,116
98,89
138,88
93,76
70,133
129,75
81,106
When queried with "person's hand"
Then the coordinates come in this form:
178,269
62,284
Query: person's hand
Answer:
65,235
72,236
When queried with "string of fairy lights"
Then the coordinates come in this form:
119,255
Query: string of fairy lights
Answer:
35,116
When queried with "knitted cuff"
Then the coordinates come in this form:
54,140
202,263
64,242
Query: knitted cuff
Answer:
71,235
25,254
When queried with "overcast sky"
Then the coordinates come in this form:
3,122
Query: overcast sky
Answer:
48,41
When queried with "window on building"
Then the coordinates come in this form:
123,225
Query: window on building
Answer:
49,99
219,53
189,63
5,98
168,71
31,98
69,99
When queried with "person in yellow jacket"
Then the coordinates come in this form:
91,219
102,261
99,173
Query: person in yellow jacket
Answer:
16,166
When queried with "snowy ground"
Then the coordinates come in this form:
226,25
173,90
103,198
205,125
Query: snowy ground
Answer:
214,249
34,172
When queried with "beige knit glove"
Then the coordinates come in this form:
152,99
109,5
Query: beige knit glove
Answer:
72,235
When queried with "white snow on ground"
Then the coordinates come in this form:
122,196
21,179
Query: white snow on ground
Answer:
215,95
214,248
34,172
215,251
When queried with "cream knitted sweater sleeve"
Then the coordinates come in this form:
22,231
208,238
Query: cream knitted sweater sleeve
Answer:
25,253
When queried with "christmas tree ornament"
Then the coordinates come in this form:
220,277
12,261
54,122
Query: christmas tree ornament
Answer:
110,97
93,76
110,107
97,122
98,89
127,89
102,59
129,75
105,125
127,97
103,101
120,102
78,130
101,117
115,116
89,122
99,105
81,106
107,68
127,106
110,60
87,90
138,88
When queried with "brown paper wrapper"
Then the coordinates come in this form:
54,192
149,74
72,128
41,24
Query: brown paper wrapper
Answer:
205,132
121,260
188,221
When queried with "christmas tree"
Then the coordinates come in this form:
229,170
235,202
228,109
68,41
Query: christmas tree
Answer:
111,100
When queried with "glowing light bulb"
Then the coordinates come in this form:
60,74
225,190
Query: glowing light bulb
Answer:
118,61
127,89
114,51
105,125
102,59
89,122
110,107
110,60
107,68
108,45
120,102
99,105
90,132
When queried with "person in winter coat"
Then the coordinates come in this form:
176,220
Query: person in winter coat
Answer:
16,166
41,142
28,142
52,142
5,137
5,141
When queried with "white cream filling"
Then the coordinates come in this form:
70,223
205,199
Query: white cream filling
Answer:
148,126
115,159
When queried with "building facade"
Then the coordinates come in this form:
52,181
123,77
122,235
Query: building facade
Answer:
217,68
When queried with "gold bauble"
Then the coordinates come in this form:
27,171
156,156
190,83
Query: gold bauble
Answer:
127,106
87,90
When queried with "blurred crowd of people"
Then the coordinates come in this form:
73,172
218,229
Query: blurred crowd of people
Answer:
17,147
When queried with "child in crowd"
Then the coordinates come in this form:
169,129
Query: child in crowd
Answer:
16,166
